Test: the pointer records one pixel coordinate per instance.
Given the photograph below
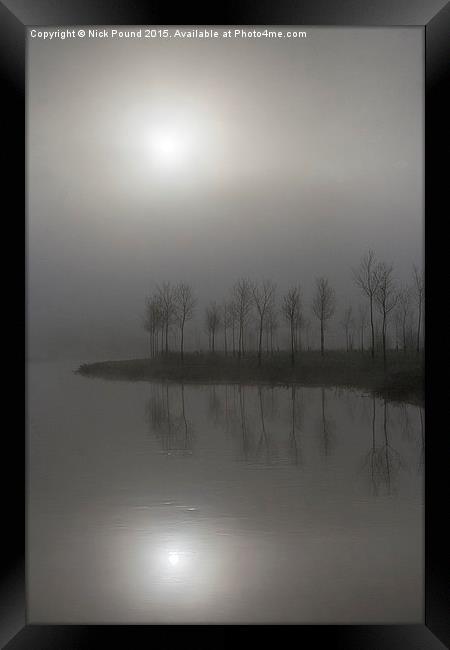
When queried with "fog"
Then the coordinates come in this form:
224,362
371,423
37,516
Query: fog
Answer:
292,158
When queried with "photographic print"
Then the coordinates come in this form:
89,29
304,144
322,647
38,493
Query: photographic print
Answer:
225,270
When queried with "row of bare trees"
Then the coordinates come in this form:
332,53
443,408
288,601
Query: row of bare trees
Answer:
234,315
377,282
170,305
255,304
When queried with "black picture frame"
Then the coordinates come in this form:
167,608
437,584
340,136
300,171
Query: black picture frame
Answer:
434,16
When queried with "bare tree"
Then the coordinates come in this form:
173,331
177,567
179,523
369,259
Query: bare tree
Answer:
263,298
386,297
397,326
298,326
227,311
366,279
347,325
233,316
323,306
307,326
213,321
166,297
267,333
243,300
419,290
271,326
404,308
362,313
152,323
290,308
185,303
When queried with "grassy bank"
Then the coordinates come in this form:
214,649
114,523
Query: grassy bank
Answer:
401,380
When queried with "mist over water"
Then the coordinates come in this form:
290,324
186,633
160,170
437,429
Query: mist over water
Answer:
221,503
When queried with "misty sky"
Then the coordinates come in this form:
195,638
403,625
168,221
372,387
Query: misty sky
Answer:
291,158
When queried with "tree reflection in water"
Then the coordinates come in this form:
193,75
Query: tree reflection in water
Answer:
327,427
251,418
215,405
166,413
243,422
383,460
263,439
407,429
294,447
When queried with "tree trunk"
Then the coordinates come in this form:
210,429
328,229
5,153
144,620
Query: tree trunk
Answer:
182,343
322,347
260,341
292,345
372,328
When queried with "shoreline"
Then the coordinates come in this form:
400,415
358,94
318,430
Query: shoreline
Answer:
402,381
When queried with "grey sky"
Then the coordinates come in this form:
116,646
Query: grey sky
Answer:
299,155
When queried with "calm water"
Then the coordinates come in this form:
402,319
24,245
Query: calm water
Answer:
170,503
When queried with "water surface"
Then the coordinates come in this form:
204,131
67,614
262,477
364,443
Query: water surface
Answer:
169,503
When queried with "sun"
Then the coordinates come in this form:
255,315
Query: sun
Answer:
173,558
170,146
